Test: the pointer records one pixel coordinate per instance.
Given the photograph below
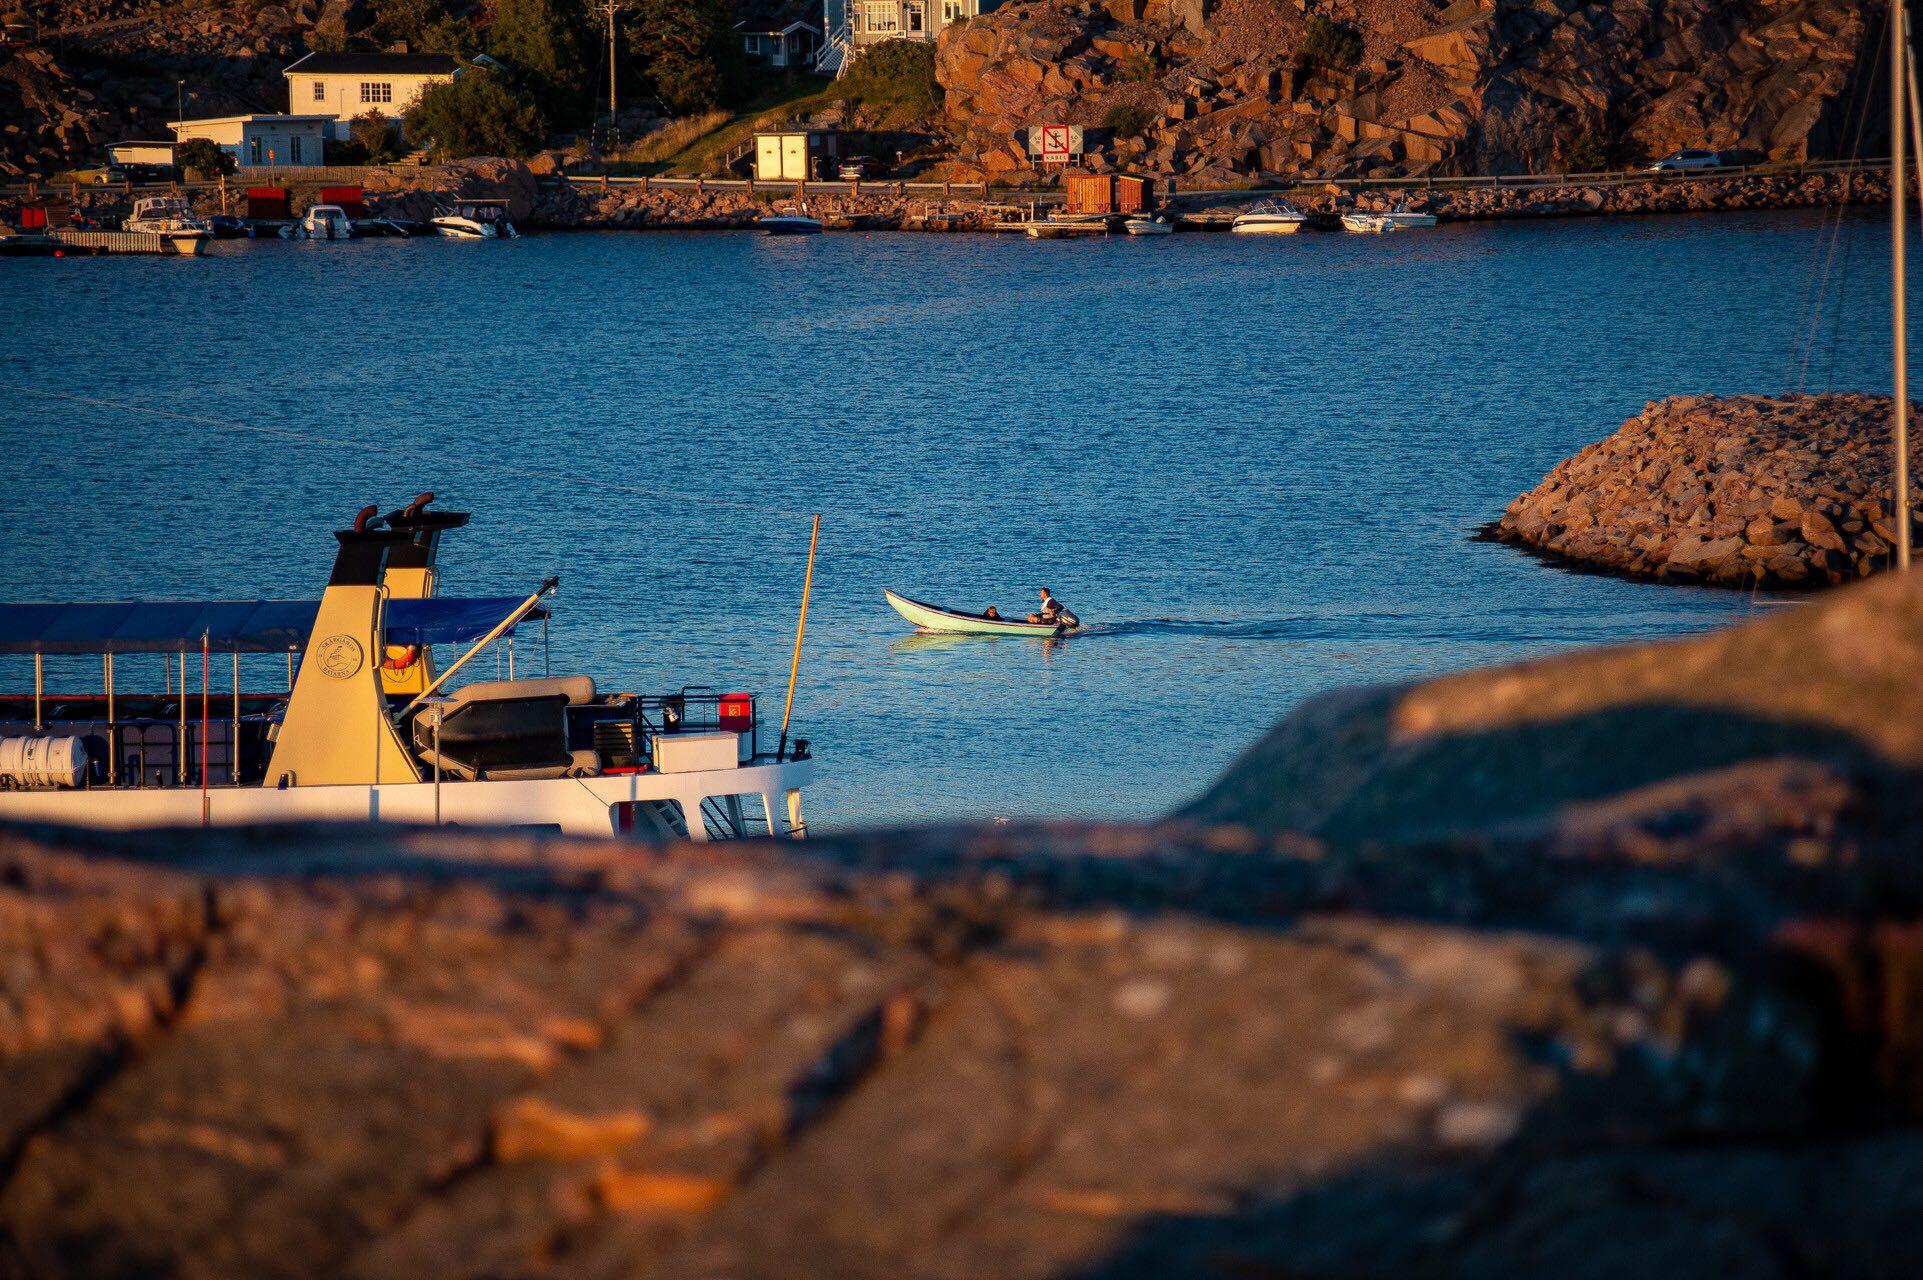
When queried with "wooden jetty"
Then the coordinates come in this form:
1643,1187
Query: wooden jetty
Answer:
131,242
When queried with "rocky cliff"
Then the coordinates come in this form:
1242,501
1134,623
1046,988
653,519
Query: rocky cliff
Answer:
1215,89
1600,967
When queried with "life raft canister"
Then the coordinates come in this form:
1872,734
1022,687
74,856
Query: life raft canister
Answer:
400,657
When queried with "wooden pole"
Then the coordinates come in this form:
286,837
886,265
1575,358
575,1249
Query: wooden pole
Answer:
801,628
1899,311
206,678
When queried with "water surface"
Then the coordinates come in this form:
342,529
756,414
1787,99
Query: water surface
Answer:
1252,464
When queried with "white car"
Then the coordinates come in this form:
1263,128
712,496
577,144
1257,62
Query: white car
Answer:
1679,161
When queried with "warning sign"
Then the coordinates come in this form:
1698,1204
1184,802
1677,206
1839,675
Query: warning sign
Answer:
1054,143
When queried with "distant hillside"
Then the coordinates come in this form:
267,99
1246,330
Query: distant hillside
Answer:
1214,89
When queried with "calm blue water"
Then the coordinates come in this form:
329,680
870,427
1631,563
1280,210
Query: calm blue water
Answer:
1252,464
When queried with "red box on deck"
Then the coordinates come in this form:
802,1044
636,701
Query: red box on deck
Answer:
737,713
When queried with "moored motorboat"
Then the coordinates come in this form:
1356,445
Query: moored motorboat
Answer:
1366,223
170,218
1149,224
367,727
1065,228
1269,218
789,222
1403,218
474,220
930,617
321,222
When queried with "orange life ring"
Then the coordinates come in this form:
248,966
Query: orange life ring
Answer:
409,655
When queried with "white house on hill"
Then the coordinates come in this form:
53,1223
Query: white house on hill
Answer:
345,85
854,24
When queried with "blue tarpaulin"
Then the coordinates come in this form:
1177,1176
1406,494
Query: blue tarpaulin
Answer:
230,626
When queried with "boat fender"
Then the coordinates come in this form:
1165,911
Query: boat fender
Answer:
400,657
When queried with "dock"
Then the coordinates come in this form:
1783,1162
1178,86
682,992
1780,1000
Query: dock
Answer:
130,242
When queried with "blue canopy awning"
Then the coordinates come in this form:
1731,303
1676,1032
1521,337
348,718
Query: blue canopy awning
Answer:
231,626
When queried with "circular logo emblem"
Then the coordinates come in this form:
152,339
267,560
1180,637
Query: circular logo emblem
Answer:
339,656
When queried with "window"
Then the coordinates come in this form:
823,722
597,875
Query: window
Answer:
320,91
751,43
253,151
915,20
293,150
376,91
953,11
880,15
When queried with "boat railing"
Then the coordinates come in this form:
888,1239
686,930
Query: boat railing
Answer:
623,729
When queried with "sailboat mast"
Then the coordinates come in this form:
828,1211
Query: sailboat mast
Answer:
1899,319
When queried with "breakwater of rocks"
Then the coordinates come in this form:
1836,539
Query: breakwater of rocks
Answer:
1736,491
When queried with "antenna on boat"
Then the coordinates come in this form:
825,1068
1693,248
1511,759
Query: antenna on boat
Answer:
801,628
1899,318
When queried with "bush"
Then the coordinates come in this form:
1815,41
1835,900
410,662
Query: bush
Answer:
1139,68
204,157
895,77
1591,152
374,135
476,114
690,51
1328,44
1127,120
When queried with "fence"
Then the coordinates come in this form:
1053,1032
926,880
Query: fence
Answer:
797,189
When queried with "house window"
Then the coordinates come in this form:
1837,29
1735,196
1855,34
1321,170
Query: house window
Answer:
293,150
953,11
320,91
881,15
253,151
915,20
751,43
376,91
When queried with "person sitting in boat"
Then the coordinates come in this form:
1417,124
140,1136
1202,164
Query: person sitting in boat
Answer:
1053,610
992,613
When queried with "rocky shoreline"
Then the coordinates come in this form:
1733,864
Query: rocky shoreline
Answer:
1603,965
537,199
1789,492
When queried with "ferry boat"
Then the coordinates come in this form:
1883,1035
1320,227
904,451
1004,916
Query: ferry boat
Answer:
367,727
170,218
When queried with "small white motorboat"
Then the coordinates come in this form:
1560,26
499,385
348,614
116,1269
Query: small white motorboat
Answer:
789,222
932,617
1400,218
1269,218
170,218
475,220
321,222
1367,223
1150,224
1065,227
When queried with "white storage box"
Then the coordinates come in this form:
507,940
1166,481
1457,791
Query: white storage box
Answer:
693,752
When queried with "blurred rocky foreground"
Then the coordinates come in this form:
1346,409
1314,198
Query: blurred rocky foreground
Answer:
1601,966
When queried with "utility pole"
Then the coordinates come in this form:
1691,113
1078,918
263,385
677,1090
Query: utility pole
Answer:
613,66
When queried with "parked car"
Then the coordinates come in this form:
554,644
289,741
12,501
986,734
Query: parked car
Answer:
856,168
115,174
1682,161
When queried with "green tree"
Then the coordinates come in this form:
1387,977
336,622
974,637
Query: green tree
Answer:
426,26
543,41
1127,120
1328,44
477,114
687,49
204,157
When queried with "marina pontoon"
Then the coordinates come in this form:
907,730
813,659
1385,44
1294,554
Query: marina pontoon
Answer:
366,727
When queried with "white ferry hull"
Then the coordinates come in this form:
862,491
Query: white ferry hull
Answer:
766,793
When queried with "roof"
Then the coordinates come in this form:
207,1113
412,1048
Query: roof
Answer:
772,17
773,27
230,626
259,117
394,64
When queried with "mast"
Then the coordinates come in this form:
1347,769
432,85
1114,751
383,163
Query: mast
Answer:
1899,318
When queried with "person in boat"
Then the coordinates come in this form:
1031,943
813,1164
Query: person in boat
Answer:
1053,610
992,613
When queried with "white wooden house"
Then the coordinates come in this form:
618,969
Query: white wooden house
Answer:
853,24
346,85
263,141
